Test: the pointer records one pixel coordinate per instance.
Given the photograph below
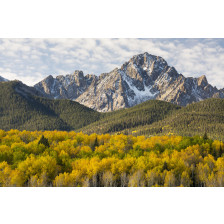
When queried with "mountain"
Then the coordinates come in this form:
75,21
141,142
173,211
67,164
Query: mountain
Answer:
143,77
3,79
25,108
65,87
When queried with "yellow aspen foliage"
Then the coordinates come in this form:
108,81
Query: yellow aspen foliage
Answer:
102,148
152,178
38,181
219,169
202,171
13,132
9,139
137,179
72,179
185,179
122,166
220,164
77,159
2,133
9,177
191,155
37,166
34,147
63,180
5,174
210,161
217,144
220,178
170,180
86,149
106,163
211,181
141,163
81,165
108,179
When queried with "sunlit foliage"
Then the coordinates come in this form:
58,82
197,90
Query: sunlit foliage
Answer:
70,159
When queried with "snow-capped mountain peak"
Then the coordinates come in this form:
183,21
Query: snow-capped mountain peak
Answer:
143,77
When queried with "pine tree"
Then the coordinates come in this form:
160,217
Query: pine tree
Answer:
96,144
205,137
44,141
165,166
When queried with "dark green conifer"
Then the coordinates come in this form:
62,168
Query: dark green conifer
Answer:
205,137
96,144
44,141
165,166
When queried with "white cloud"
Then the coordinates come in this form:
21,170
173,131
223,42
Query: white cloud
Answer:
32,59
9,75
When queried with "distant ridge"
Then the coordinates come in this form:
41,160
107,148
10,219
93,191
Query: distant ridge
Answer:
3,79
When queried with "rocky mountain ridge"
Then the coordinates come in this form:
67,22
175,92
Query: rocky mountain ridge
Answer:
65,87
143,77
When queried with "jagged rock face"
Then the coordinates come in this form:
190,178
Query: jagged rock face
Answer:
107,93
142,78
183,91
65,87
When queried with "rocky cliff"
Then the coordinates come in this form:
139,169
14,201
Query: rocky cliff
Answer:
143,77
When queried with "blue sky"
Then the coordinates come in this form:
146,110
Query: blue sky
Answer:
31,60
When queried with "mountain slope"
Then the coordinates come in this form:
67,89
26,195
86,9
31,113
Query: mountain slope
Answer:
143,77
194,119
24,108
3,79
142,114
161,118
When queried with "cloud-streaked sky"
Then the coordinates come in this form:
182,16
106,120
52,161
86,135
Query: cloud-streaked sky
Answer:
31,60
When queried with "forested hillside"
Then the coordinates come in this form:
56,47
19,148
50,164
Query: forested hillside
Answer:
21,109
55,158
24,108
162,118
145,113
194,119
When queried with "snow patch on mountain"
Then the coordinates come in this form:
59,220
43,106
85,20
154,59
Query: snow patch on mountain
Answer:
139,95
